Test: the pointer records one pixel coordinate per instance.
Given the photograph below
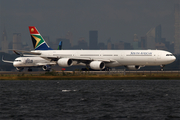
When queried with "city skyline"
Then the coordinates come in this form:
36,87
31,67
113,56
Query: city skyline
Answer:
118,20
152,40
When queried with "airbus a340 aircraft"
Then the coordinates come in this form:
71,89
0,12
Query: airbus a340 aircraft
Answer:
99,59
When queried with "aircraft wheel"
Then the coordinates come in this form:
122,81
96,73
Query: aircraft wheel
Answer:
19,69
162,67
29,70
107,69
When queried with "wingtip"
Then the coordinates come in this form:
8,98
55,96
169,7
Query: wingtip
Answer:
16,52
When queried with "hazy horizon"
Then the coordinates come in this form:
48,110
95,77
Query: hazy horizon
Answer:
115,19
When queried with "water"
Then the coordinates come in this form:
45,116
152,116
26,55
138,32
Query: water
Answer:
90,100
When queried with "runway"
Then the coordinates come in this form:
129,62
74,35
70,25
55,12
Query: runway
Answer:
92,72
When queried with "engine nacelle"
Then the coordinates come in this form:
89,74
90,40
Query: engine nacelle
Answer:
64,62
46,67
97,65
133,67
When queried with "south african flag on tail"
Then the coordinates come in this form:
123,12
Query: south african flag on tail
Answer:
37,40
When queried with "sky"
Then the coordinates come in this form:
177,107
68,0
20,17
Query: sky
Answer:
115,19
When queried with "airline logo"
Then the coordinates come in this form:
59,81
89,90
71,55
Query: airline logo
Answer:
38,40
36,37
140,54
28,61
33,30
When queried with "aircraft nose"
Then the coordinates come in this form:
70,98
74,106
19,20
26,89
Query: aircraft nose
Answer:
173,58
15,64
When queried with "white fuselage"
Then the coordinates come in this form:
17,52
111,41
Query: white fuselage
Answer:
113,58
30,62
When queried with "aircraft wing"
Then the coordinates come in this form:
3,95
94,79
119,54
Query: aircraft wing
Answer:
80,59
42,64
7,60
90,59
27,52
28,55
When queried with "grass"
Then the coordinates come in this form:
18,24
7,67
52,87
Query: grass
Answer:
89,76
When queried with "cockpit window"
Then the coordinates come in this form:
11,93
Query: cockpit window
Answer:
169,55
17,60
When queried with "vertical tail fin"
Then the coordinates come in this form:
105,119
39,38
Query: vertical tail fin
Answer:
60,45
37,40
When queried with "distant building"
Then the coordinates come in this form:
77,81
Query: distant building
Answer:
119,45
135,45
69,36
161,46
109,44
127,46
158,34
135,42
82,44
167,43
177,29
171,47
66,43
50,43
17,41
101,46
25,46
46,38
135,38
4,42
150,37
93,39
143,43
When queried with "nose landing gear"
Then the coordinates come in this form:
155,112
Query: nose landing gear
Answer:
162,67
29,69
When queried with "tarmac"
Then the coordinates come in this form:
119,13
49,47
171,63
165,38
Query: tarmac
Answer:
93,72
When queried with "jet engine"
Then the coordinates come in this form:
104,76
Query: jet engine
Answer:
97,65
133,67
64,62
46,67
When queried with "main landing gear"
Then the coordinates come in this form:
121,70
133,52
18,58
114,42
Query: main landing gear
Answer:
107,69
162,67
29,69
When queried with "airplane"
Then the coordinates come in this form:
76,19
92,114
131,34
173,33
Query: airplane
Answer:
98,59
32,61
28,62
